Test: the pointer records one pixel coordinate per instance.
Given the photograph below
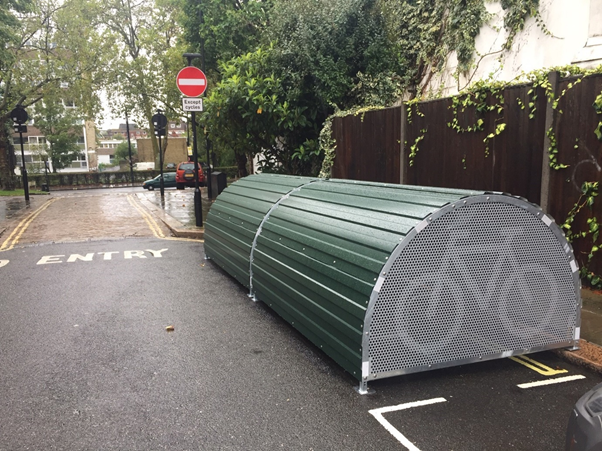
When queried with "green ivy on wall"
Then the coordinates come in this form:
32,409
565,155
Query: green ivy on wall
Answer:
589,192
328,144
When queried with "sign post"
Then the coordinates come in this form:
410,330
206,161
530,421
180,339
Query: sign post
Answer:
192,82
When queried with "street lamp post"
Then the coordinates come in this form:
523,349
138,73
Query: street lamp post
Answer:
159,123
19,116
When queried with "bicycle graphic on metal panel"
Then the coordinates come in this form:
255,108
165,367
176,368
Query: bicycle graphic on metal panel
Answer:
437,290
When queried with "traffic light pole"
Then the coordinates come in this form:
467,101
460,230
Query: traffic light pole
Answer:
20,117
161,182
24,170
127,128
159,124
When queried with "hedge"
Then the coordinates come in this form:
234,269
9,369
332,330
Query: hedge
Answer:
90,179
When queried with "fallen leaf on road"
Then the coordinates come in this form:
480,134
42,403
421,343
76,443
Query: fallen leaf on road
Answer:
169,328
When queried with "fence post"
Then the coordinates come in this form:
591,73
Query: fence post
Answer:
402,151
553,78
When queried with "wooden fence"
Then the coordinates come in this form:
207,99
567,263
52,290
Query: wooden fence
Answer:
377,146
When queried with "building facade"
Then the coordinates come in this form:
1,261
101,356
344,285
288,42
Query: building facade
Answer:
570,33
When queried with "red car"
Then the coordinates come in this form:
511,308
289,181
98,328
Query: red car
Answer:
185,175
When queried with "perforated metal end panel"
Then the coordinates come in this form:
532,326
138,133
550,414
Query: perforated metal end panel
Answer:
484,278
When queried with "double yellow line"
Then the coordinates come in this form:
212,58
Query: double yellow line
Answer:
536,366
147,217
16,234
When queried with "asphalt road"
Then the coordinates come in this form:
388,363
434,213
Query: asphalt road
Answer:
86,363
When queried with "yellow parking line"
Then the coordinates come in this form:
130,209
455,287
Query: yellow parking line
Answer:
192,240
22,226
536,366
148,218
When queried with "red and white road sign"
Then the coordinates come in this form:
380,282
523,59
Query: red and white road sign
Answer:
191,81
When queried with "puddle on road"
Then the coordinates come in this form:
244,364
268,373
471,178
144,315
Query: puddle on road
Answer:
110,209
8,208
180,205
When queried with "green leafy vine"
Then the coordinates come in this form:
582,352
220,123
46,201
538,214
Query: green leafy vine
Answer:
598,107
589,192
411,109
327,143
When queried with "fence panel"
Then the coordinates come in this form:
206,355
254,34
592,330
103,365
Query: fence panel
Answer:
450,158
370,147
580,149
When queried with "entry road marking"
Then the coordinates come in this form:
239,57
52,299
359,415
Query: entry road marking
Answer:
22,226
558,380
536,366
127,255
378,414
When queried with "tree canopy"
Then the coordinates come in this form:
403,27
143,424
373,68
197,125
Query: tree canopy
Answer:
277,69
58,123
51,52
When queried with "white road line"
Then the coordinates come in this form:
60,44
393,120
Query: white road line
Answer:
558,380
378,414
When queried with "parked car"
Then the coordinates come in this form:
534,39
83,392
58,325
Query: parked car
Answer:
185,175
169,181
584,432
170,166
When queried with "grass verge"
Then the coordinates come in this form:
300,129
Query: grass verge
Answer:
20,192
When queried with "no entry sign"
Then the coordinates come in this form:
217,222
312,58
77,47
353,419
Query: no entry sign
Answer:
191,81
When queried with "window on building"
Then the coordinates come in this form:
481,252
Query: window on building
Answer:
595,19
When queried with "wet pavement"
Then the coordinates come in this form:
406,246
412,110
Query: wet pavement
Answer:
93,214
10,206
179,204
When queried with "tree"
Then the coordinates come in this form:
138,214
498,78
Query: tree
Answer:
316,57
322,46
143,71
223,30
122,152
248,111
59,125
53,49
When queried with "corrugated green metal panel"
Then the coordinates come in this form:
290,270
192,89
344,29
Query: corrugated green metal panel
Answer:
232,222
340,351
321,248
320,252
403,191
